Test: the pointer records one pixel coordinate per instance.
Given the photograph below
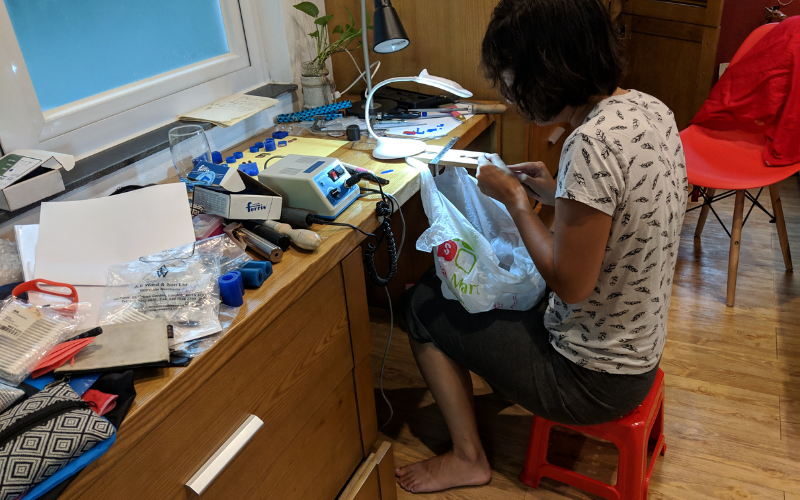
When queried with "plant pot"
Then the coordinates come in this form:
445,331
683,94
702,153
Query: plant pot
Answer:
317,86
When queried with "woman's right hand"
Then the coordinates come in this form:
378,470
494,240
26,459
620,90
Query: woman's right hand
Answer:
536,179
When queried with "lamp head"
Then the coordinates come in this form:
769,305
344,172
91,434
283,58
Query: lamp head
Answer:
388,34
391,147
426,78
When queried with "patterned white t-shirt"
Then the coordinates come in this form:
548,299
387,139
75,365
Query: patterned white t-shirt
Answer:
625,160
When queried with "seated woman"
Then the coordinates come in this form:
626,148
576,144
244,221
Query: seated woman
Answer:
589,352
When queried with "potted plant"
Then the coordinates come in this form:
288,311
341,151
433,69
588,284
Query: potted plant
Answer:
317,87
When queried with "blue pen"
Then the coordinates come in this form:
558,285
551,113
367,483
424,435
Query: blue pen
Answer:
387,171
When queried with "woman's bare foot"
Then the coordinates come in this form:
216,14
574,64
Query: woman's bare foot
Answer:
443,472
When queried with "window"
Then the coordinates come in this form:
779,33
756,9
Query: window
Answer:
85,74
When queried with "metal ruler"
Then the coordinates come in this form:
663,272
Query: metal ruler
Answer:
444,151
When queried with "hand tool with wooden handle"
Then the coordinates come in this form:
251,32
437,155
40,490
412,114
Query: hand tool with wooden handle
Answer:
468,108
303,238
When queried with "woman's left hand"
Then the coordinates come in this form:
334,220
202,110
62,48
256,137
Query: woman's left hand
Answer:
497,181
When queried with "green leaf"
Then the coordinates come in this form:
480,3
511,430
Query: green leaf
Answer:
351,15
322,21
338,29
314,34
307,7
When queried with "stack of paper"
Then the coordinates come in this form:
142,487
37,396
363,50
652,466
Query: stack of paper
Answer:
76,241
230,110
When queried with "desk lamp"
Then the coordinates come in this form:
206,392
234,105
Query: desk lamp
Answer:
388,36
390,147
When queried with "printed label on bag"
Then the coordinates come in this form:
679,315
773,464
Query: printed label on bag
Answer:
447,250
16,319
456,264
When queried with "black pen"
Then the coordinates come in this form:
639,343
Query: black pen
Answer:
94,332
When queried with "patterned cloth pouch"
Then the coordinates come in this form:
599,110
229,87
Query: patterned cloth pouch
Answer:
43,434
9,395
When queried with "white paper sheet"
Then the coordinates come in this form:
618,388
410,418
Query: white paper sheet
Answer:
230,110
78,240
427,128
27,235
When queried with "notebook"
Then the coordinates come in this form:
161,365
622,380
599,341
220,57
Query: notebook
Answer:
124,346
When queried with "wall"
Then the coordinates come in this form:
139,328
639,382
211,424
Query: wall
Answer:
301,46
739,18
445,38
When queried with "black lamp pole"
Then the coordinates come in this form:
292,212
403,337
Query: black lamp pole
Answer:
388,36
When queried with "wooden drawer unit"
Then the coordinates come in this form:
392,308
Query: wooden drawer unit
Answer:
297,375
374,479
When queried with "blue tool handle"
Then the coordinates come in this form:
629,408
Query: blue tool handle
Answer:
239,280
230,291
252,277
264,265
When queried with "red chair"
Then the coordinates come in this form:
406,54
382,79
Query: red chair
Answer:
632,434
728,157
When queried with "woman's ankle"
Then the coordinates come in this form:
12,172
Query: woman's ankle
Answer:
470,453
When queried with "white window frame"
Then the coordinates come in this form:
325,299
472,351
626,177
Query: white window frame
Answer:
258,54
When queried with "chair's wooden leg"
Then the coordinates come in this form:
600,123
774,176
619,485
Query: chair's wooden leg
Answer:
780,224
703,213
733,257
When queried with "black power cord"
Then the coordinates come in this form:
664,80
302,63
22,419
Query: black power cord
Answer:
384,210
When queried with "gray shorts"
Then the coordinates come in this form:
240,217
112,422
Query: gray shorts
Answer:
510,350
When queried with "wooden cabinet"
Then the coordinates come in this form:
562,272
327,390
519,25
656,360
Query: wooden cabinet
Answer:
374,479
305,374
671,49
671,46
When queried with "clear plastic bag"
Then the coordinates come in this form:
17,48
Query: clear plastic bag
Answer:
479,253
194,348
28,332
178,284
10,265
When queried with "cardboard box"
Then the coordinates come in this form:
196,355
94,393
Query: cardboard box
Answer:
27,176
256,202
218,175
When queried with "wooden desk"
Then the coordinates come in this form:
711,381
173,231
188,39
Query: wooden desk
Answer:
297,356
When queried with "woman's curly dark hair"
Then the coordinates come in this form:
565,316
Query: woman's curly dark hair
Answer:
544,55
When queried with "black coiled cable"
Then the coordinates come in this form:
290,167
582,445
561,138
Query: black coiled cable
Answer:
382,209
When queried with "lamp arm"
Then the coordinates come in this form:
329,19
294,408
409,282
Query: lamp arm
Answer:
365,44
368,104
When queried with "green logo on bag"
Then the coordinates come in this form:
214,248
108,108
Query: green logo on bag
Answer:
464,287
465,258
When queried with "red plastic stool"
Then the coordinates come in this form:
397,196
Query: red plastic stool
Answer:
631,433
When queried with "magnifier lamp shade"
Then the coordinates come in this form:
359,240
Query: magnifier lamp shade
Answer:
391,147
388,34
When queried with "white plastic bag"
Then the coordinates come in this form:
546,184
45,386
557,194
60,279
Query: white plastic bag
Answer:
479,254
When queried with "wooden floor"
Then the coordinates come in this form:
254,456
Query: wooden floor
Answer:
732,377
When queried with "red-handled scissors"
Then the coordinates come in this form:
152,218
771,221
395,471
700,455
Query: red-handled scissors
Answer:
34,286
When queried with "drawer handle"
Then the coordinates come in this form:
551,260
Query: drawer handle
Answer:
214,465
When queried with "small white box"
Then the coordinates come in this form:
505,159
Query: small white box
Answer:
28,175
39,187
256,202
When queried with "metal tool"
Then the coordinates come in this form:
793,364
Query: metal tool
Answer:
477,109
399,115
259,244
444,151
